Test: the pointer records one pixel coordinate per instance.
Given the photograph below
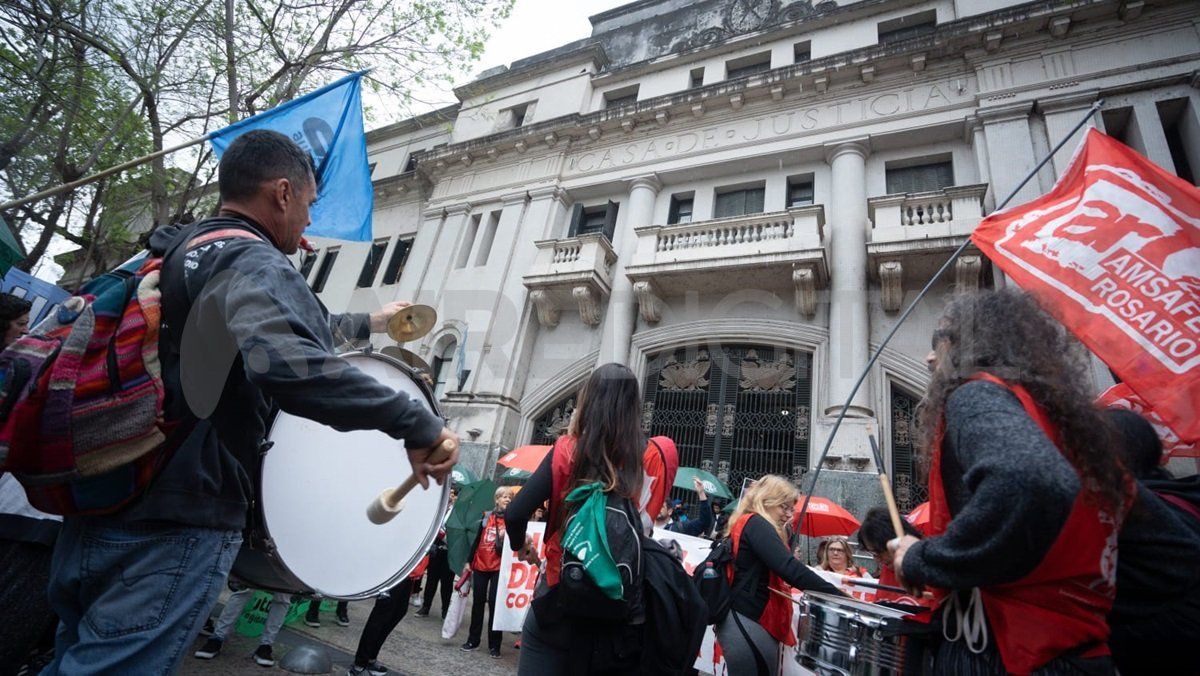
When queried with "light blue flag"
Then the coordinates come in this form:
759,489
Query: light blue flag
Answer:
328,124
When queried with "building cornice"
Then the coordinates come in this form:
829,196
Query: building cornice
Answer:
541,63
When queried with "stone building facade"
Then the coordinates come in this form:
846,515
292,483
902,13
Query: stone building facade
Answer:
736,198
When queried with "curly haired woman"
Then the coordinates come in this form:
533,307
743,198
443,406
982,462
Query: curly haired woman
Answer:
1026,494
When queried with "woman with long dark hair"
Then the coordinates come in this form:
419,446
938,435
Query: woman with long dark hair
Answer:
1026,494
604,444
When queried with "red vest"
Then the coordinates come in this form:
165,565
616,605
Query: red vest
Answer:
1061,605
776,617
487,559
660,461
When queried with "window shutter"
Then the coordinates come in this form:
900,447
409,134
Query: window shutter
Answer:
576,219
610,220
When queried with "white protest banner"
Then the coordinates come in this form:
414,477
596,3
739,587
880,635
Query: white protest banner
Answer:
514,588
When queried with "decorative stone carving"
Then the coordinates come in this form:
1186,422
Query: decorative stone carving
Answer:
737,101
777,92
687,376
594,133
867,73
649,304
1059,26
805,281
1131,9
991,41
821,83
917,61
771,376
967,270
493,153
546,310
589,304
551,139
891,274
627,125
697,110
662,117
466,159
521,147
746,16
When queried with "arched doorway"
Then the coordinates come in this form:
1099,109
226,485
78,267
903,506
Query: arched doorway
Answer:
553,423
736,410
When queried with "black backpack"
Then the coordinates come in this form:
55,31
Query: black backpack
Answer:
711,581
579,597
675,614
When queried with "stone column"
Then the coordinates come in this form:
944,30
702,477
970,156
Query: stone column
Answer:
849,324
1146,135
513,249
428,240
982,168
1062,113
620,319
1010,150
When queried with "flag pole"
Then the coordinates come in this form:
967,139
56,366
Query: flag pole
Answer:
101,174
929,285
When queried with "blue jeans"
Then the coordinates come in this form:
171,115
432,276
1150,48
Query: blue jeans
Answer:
131,599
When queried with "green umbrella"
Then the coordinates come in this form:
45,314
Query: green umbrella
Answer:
712,485
462,475
463,524
10,251
515,475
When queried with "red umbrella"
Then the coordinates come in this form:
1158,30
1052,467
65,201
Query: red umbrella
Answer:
919,517
525,457
824,517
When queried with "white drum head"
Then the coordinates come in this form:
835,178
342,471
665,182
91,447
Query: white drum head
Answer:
316,485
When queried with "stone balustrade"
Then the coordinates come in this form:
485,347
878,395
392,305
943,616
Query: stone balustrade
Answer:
726,238
947,212
576,270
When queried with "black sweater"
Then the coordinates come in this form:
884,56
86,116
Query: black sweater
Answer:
537,489
256,339
760,552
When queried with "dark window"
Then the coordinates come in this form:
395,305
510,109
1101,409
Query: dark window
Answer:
511,118
318,284
410,164
908,486
395,266
464,254
681,209
1172,113
441,369
922,23
749,65
920,177
739,202
1116,123
697,77
625,96
800,192
371,265
801,52
588,220
306,264
371,168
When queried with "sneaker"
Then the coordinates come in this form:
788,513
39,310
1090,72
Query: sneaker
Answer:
417,601
312,621
210,649
376,669
264,657
422,613
343,617
494,653
469,646
208,629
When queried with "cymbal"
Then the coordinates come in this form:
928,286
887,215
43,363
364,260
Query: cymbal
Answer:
407,356
411,323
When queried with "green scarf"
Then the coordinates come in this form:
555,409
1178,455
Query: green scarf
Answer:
587,538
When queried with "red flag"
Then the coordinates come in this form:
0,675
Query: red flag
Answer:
1121,396
1113,251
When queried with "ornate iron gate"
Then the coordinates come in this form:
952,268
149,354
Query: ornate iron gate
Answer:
553,423
908,486
737,411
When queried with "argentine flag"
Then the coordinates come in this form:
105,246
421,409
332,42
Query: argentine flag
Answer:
328,124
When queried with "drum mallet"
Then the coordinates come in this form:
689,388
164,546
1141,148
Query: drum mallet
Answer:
390,501
887,489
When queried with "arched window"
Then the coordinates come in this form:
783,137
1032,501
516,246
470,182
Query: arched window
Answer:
443,368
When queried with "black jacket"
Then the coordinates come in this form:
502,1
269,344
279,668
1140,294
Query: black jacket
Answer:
255,339
761,552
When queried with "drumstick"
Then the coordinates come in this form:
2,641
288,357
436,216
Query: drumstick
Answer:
390,501
887,489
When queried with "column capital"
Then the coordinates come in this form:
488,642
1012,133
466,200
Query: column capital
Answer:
460,208
1007,112
648,181
552,192
1067,102
860,146
514,198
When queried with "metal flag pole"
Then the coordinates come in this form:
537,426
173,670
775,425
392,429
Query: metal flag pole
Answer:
929,285
101,174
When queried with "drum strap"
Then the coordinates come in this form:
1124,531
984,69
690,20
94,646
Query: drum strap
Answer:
760,662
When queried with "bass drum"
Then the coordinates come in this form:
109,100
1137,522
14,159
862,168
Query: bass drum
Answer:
310,533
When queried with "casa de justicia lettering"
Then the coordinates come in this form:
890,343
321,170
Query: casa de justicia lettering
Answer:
736,199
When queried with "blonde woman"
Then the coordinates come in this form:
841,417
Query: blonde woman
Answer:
484,568
759,619
837,558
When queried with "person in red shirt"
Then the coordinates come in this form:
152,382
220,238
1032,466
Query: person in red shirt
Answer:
1026,494
604,443
484,568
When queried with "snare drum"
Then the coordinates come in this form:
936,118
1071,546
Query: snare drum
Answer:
310,533
845,637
